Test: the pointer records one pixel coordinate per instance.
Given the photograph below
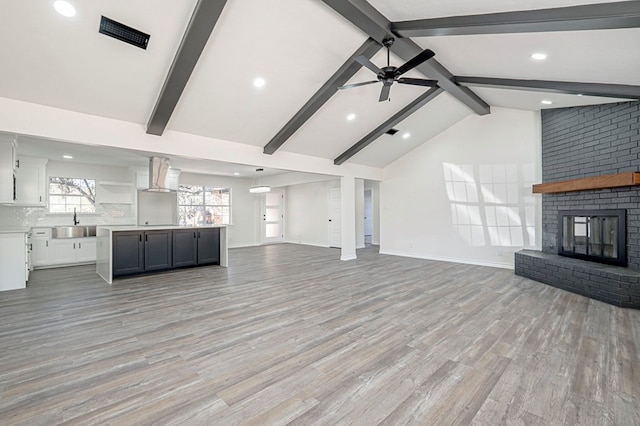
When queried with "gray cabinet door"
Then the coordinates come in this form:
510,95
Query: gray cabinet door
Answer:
158,250
128,253
209,246
185,248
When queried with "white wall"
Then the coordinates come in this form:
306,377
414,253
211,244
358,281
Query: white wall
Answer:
245,207
294,178
307,209
58,124
465,195
157,208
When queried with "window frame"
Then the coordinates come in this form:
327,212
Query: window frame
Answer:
91,197
199,208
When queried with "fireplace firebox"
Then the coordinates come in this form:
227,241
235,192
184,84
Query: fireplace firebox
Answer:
595,235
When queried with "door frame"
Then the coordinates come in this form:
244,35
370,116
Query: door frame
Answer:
263,218
331,219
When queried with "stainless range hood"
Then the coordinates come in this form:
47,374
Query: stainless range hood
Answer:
158,174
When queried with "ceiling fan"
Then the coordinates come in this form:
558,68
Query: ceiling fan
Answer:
388,75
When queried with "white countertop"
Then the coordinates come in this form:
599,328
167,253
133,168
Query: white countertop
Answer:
154,227
17,230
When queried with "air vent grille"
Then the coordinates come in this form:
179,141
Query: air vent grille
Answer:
392,131
124,33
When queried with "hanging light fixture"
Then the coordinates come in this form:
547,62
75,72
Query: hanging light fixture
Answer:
259,189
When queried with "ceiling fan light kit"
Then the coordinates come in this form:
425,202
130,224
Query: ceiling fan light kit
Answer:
390,74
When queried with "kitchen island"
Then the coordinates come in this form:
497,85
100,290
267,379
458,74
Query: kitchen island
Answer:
128,250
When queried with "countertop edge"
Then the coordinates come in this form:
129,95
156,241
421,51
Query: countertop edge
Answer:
155,228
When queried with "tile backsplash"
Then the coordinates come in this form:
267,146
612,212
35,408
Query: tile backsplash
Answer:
106,214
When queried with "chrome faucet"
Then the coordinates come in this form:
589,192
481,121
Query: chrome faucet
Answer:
75,217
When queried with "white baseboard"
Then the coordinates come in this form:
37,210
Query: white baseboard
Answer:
308,244
245,245
451,259
348,257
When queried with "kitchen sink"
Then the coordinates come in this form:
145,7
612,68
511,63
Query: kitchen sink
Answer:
73,231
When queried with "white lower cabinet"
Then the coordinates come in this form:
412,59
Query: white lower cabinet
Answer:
72,250
47,251
40,252
40,247
86,250
63,251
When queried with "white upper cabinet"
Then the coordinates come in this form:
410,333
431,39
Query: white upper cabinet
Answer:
7,169
31,181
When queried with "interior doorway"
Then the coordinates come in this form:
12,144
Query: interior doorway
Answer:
335,211
368,216
273,217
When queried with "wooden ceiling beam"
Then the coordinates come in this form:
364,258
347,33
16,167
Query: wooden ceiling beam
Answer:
368,19
623,91
369,48
203,21
624,14
405,112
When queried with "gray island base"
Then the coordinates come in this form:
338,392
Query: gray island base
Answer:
128,250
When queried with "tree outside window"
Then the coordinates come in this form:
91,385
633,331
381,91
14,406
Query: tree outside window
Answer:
204,205
67,194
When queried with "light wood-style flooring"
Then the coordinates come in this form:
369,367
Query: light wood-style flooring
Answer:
288,334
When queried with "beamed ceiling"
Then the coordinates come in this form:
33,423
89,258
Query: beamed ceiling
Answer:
196,75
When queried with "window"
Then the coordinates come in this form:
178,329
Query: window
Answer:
67,194
204,205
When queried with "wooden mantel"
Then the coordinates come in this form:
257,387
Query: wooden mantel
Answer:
597,182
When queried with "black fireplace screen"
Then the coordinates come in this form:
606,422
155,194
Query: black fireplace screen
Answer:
597,235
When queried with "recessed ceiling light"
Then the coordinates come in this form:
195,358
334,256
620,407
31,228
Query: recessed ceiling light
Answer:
64,8
236,174
539,56
406,135
259,82
579,94
351,117
546,102
68,157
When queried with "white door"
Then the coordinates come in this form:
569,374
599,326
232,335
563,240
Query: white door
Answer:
273,217
335,210
368,213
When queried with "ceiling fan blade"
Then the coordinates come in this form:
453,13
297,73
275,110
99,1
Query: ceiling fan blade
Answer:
415,61
418,82
350,86
384,93
365,62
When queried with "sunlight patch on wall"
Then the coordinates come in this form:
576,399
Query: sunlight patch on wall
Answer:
491,204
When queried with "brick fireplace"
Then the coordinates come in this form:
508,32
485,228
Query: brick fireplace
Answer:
583,142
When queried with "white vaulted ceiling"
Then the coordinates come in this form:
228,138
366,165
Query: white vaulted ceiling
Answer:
296,46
